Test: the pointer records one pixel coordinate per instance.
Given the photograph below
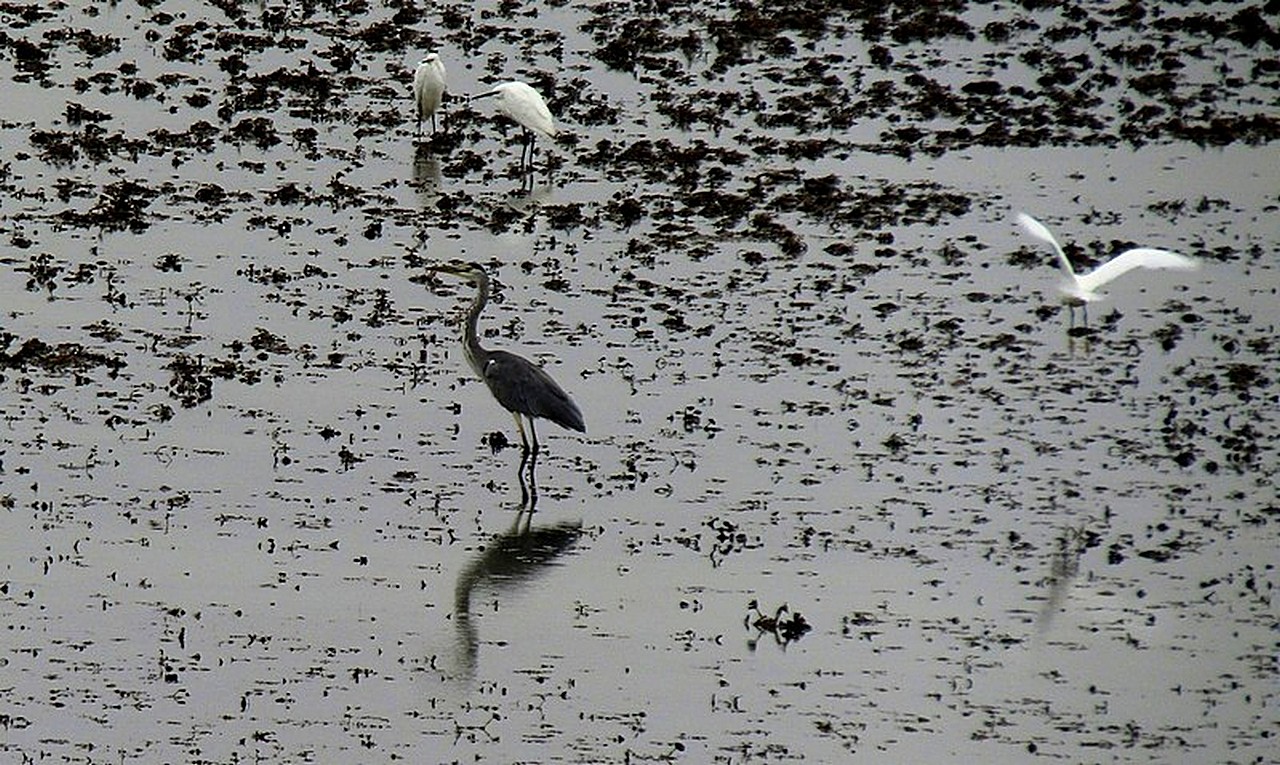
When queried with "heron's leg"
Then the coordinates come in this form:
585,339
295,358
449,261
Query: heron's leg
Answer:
524,487
524,442
533,477
534,432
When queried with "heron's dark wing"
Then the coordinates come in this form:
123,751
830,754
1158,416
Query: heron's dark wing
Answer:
521,386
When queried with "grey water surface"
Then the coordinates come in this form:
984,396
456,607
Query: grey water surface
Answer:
254,507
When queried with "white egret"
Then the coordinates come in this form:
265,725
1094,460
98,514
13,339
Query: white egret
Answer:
428,88
1082,289
525,106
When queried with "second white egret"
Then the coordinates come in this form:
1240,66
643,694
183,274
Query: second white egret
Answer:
526,107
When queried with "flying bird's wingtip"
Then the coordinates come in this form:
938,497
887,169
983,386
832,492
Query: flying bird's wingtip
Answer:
1029,223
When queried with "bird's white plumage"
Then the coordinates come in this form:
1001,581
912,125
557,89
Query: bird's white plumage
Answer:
525,106
1039,231
429,86
1141,257
1083,288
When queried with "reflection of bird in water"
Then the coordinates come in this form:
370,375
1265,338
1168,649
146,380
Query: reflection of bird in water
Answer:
1079,290
528,199
529,489
521,386
510,561
763,621
428,88
525,107
783,630
426,175
1064,567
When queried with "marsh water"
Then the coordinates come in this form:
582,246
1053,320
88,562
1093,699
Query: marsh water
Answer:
255,508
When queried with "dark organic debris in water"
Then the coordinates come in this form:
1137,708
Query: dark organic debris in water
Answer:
63,357
785,625
190,383
192,377
496,441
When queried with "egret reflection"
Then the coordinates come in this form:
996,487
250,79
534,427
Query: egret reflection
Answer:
427,176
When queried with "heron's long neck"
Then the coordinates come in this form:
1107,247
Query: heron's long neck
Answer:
470,341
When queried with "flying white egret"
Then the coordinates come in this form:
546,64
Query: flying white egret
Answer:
523,105
428,88
1082,289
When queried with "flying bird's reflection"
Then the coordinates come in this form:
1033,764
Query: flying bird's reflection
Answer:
1079,339
528,198
1064,567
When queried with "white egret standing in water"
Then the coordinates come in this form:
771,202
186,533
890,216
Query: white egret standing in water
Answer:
1079,290
526,108
428,88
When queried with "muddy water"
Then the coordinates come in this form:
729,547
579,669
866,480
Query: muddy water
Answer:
251,505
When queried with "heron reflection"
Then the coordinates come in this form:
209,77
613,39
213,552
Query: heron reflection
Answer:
509,563
529,488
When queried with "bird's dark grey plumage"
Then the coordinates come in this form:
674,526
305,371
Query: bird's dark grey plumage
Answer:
519,385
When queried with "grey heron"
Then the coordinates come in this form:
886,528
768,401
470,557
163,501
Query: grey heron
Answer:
520,386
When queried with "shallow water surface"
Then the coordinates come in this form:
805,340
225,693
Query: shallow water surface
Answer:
255,507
